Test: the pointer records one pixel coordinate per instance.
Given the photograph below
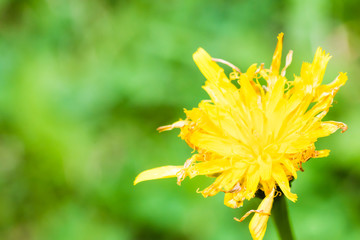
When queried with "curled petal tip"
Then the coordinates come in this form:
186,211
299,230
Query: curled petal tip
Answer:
280,36
238,220
344,127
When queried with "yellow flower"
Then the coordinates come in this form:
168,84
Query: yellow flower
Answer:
255,137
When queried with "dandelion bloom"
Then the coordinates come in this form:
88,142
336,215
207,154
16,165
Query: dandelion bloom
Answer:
255,137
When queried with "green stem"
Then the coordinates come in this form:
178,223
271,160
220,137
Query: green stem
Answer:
280,215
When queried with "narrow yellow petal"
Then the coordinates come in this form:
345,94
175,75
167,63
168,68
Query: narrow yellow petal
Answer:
332,87
209,167
321,153
178,124
234,176
289,167
209,68
214,188
323,105
234,199
327,128
218,144
157,173
252,181
275,65
276,94
226,181
283,182
318,67
259,221
339,81
287,63
265,167
230,201
247,86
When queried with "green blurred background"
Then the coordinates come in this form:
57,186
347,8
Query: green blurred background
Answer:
84,85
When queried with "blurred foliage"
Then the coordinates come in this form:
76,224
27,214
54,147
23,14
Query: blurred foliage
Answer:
84,85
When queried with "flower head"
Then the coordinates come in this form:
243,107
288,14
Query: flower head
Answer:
255,137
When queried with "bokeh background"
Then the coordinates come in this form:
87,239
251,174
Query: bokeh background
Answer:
84,85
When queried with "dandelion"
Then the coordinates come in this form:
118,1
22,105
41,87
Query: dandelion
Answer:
254,138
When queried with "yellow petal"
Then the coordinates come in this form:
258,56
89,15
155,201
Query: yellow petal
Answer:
178,124
234,177
218,86
218,144
157,173
248,89
339,81
265,168
322,105
332,87
220,121
231,202
283,182
318,67
332,126
275,65
234,199
226,181
276,93
210,69
252,181
324,129
259,221
287,63
289,166
321,153
209,167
